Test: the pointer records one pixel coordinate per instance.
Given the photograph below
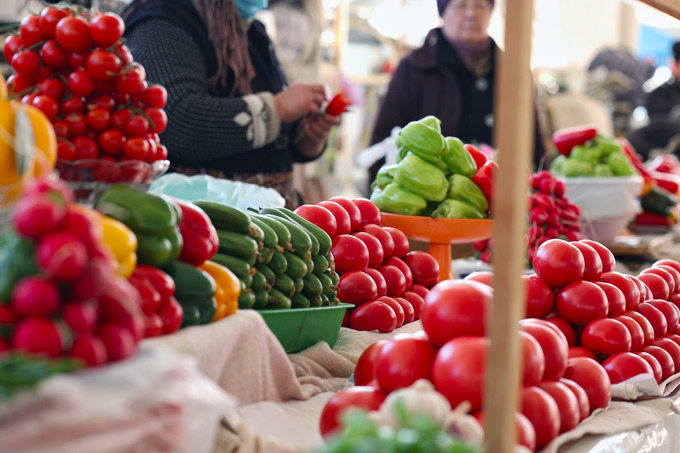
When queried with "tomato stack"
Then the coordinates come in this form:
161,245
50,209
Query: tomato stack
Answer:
70,63
378,274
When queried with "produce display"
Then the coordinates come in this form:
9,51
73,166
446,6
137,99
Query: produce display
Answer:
377,273
71,64
435,176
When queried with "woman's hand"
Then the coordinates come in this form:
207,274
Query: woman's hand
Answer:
300,99
314,131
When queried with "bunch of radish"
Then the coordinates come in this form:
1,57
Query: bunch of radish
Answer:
378,273
71,63
61,296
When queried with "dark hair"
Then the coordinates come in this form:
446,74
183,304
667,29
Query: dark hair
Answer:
676,50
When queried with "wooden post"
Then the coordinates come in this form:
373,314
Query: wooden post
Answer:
514,126
670,7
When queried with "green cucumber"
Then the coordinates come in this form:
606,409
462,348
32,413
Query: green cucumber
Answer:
320,263
269,275
299,237
246,299
225,217
238,245
265,255
296,266
257,234
325,241
259,280
269,237
247,280
313,286
261,299
282,233
278,263
285,284
277,300
326,282
300,301
238,266
299,284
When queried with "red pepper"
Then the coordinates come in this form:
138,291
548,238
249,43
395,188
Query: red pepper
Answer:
666,181
484,178
198,233
649,218
338,104
565,139
477,154
163,314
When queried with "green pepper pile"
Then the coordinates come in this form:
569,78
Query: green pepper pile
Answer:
433,176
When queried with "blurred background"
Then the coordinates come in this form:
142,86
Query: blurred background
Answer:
592,60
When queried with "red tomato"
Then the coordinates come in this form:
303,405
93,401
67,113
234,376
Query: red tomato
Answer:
558,263
409,312
637,336
567,403
625,365
616,302
663,273
580,351
416,302
394,279
581,397
455,308
553,343
485,277
73,33
606,255
49,17
360,397
581,302
349,253
342,222
645,325
626,285
106,29
30,30
656,284
671,347
402,266
606,336
419,290
653,364
364,372
356,287
375,250
402,361
379,280
373,315
542,411
368,210
668,262
424,268
383,236
352,211
459,370
593,378
319,216
396,306
526,435
674,273
642,288
674,337
566,328
655,317
669,311
664,358
102,65
593,263
401,244
540,298
533,360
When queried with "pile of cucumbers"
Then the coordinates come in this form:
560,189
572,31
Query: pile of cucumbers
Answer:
282,260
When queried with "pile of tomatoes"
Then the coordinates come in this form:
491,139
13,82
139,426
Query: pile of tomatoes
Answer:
71,64
378,274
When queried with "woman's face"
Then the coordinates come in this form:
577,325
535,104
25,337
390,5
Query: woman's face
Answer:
467,20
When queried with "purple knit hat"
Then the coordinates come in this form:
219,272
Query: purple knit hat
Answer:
441,4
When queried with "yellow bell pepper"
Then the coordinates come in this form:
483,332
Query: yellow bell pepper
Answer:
123,244
228,288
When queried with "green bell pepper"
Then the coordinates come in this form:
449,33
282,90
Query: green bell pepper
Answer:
607,145
422,140
587,154
195,291
458,159
153,218
603,170
384,176
464,189
432,121
455,209
422,178
398,200
620,164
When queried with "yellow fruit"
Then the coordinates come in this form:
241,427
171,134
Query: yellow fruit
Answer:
3,86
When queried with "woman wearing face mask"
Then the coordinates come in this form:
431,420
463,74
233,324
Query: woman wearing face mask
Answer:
450,76
230,111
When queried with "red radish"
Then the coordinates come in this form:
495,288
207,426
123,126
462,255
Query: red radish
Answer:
81,316
121,304
37,214
153,325
84,225
89,349
119,342
35,296
62,254
51,186
37,336
91,283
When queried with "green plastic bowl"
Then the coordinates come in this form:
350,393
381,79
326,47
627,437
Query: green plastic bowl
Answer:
300,328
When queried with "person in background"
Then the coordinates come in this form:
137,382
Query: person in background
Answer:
231,113
663,110
451,76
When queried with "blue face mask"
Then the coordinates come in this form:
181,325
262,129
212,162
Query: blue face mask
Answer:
248,8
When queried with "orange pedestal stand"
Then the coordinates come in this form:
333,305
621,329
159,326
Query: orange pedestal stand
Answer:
440,234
